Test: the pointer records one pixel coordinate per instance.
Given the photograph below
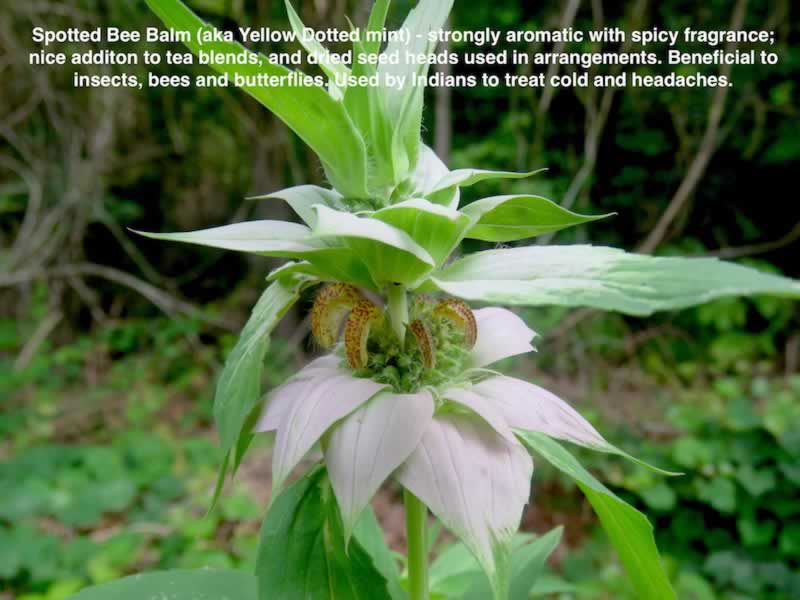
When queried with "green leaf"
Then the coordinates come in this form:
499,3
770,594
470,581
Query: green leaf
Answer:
239,386
391,255
321,55
406,103
366,106
436,228
302,553
198,584
269,238
629,530
319,119
605,278
376,23
510,218
369,534
467,177
302,199
527,564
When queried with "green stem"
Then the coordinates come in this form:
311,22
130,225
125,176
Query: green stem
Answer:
416,512
398,310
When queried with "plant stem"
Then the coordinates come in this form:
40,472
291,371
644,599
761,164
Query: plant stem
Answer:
416,513
398,310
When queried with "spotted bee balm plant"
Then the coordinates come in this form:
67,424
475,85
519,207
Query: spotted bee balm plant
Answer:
406,391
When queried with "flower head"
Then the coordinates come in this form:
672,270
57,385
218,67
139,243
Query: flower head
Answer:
450,442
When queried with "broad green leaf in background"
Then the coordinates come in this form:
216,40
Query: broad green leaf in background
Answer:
511,218
630,532
197,584
319,119
389,253
605,278
302,553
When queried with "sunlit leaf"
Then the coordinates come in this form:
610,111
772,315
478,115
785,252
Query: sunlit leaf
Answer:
270,238
605,278
510,218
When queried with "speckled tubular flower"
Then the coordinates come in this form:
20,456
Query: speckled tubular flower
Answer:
407,392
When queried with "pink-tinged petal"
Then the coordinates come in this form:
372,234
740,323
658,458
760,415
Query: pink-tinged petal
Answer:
474,480
319,402
278,401
528,406
370,444
485,408
501,334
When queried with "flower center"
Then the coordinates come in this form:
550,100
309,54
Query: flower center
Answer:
435,349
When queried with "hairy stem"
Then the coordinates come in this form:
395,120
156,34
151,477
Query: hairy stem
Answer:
417,547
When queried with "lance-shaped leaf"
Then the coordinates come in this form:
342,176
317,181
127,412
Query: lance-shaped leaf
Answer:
391,255
321,55
466,177
605,278
526,406
477,483
331,261
319,119
238,389
436,228
629,530
302,199
428,15
302,552
375,24
370,444
179,584
510,218
366,105
270,238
